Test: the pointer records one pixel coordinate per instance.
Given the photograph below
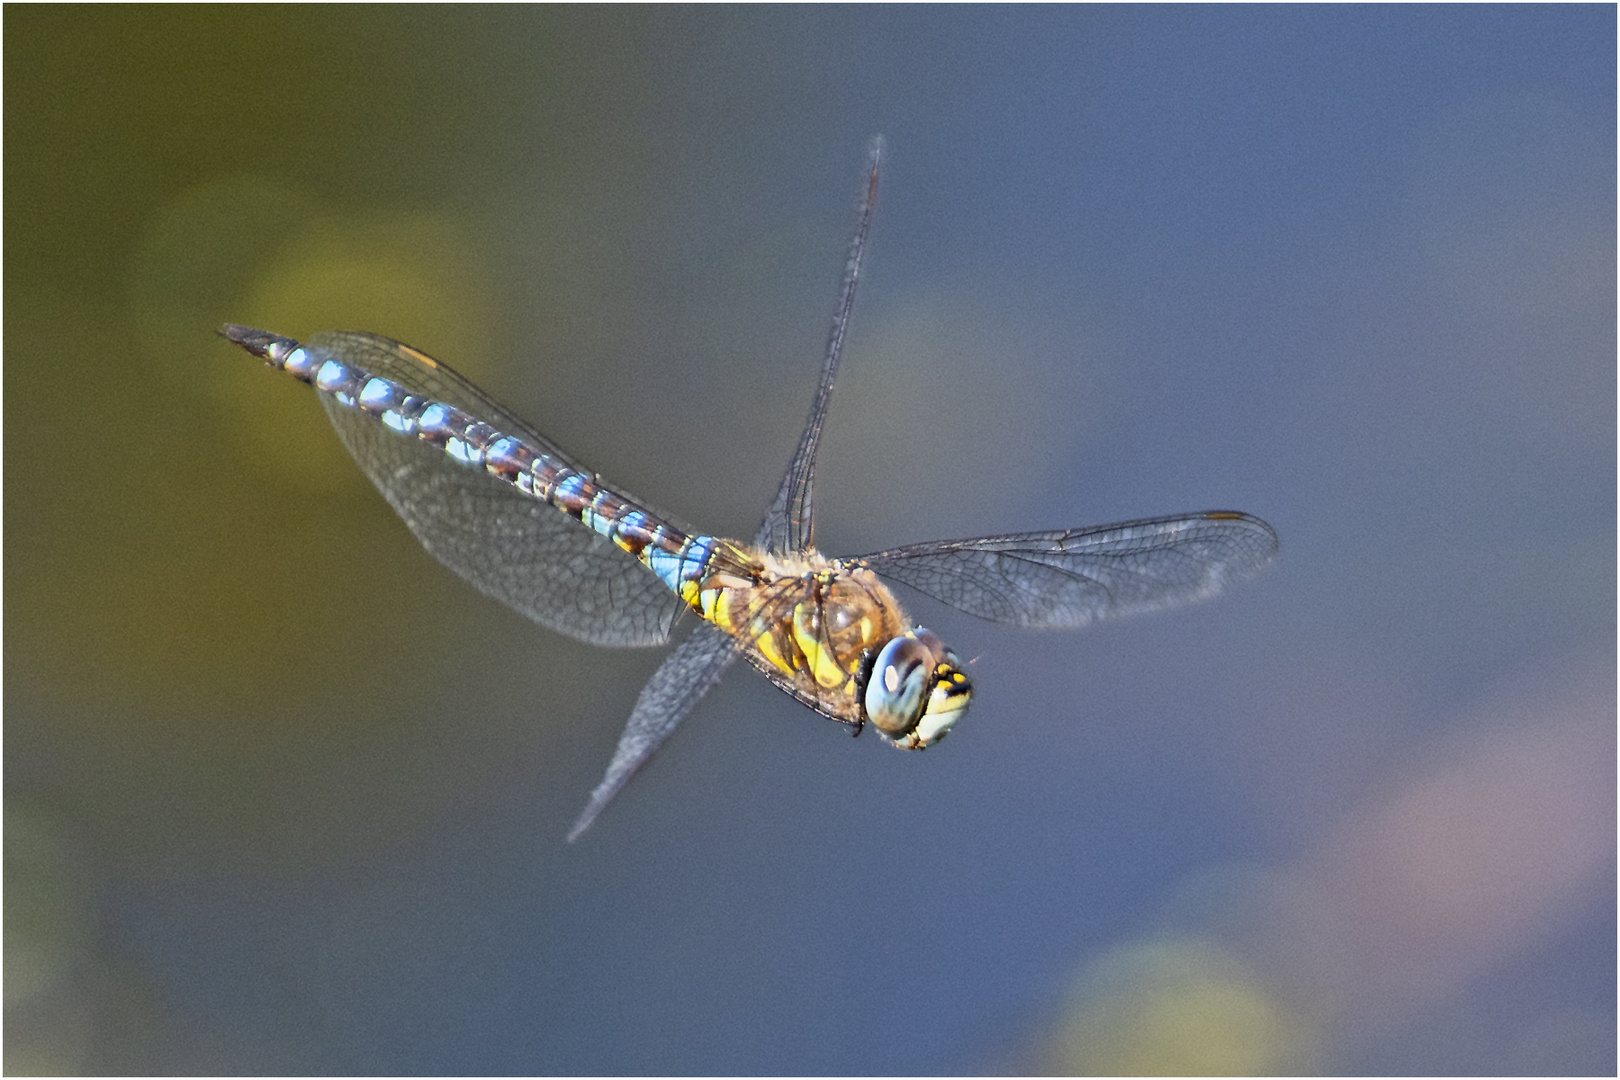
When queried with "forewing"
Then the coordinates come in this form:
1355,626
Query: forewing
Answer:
510,546
788,527
673,691
1070,578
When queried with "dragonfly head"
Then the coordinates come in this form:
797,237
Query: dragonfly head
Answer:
915,690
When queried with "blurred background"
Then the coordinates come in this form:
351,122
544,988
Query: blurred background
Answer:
282,795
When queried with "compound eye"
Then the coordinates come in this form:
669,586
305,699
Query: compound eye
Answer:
898,685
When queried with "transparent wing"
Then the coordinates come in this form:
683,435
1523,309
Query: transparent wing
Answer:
701,659
1073,577
789,524
673,691
517,549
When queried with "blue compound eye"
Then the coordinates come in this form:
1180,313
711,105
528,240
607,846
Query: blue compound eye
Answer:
916,690
897,685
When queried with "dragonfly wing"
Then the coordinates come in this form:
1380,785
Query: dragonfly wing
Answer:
789,523
669,695
515,548
1073,577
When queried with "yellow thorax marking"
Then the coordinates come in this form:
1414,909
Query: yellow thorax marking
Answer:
822,662
836,615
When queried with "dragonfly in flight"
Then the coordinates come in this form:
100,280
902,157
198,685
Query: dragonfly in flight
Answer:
526,523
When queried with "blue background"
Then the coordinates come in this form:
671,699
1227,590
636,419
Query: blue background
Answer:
282,795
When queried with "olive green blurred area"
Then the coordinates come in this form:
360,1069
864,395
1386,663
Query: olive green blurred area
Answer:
178,632
129,239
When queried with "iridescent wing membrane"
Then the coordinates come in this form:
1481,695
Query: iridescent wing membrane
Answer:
1070,578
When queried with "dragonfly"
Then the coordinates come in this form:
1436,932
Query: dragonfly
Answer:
526,523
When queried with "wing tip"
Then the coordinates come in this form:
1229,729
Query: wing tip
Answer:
1258,525
586,817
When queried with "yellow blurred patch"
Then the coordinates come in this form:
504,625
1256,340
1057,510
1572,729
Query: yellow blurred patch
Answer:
252,250
1182,1007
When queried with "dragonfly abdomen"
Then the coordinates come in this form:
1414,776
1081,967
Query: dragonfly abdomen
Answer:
680,560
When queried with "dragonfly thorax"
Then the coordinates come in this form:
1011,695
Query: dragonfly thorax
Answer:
834,636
